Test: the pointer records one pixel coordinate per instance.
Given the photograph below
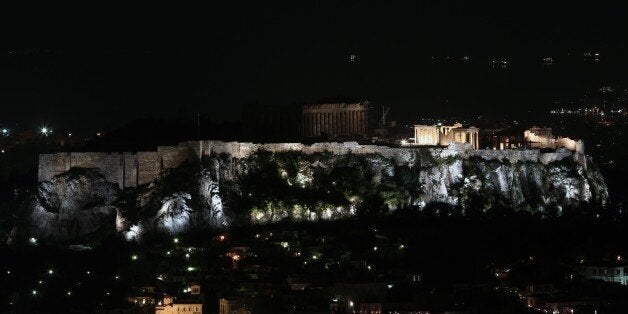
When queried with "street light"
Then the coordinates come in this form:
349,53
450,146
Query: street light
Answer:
234,259
45,131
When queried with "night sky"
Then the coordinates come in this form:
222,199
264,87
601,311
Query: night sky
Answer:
95,70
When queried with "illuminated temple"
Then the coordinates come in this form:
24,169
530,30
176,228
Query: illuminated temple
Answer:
443,135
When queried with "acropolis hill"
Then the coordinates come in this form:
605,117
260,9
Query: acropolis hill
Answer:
214,184
133,169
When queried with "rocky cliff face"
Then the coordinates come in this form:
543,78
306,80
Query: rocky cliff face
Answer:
268,187
72,204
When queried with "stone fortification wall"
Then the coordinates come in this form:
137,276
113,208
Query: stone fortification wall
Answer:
402,154
124,169
133,169
544,140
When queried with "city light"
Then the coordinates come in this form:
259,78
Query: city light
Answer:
50,271
45,131
175,240
134,257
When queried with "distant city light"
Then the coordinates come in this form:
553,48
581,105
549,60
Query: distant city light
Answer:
175,240
45,131
134,257
50,271
69,293
32,241
34,292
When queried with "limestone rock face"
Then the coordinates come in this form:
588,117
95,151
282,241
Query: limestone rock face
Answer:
266,186
71,205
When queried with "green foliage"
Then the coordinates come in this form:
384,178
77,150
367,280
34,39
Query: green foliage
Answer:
293,184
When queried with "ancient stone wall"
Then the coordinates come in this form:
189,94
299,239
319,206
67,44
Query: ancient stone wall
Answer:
543,139
133,169
124,169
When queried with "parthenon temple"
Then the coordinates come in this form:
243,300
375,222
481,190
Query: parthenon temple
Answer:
341,120
334,120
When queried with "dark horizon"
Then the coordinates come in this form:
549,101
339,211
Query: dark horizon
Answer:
293,53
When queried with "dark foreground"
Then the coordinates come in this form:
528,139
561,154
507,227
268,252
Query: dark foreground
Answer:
420,262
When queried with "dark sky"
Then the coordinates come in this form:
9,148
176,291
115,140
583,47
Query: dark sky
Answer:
95,67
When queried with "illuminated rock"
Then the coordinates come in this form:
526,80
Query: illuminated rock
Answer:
72,204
